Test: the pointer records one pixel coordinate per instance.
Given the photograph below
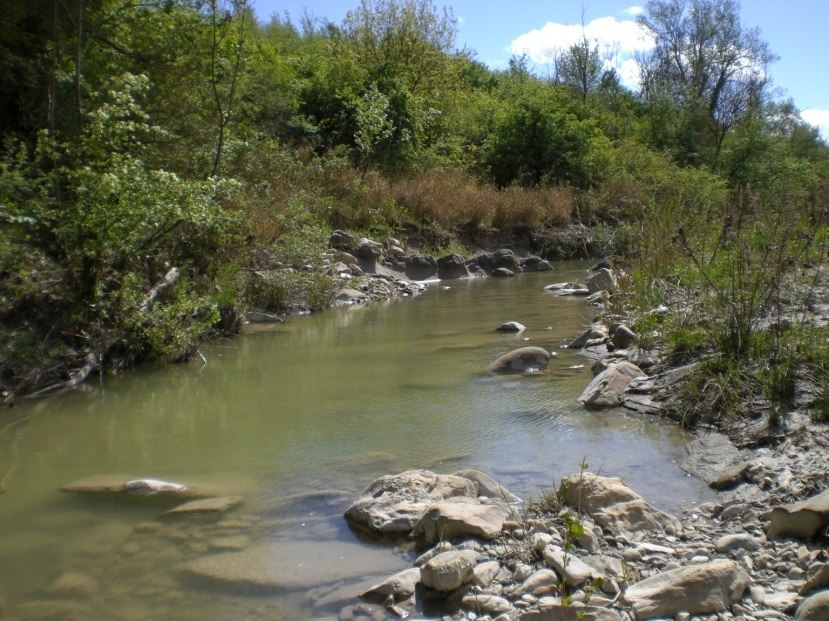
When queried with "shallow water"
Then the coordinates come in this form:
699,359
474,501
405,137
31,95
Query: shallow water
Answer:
322,404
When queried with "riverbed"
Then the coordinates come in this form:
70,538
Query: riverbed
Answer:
297,418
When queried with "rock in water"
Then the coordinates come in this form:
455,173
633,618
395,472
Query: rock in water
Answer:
521,360
698,589
608,386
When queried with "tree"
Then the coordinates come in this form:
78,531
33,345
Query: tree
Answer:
705,61
580,67
406,39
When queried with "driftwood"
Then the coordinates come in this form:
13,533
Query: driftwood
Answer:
92,361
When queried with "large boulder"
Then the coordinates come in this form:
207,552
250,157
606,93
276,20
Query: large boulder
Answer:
613,505
421,267
806,519
393,504
814,608
460,517
698,589
521,360
504,258
451,267
608,386
342,240
535,264
449,570
601,280
369,249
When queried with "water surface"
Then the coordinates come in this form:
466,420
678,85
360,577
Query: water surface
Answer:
320,404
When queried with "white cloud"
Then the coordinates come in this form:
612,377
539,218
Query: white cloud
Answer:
619,39
818,118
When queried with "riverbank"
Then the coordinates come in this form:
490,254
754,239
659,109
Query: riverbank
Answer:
594,549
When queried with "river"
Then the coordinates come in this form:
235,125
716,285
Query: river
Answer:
322,404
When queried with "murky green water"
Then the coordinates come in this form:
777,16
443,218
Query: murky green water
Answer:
319,404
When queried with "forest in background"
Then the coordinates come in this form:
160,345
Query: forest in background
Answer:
156,154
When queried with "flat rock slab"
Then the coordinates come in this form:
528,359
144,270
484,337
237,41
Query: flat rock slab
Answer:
806,519
292,565
121,485
714,459
399,586
698,589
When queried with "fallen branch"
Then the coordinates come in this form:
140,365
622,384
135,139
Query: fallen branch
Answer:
160,287
92,361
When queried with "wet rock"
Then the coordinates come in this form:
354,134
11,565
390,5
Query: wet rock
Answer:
607,387
393,504
450,519
806,519
486,604
451,267
535,264
347,295
449,570
399,586
362,612
502,272
521,360
503,259
206,506
814,608
511,326
594,333
714,459
567,288
117,484
421,267
613,505
698,589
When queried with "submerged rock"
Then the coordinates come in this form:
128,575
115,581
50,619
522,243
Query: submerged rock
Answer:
511,326
206,506
107,484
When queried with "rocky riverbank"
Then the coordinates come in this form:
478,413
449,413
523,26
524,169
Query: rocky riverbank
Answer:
595,549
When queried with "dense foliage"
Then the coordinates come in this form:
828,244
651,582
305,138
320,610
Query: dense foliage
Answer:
139,137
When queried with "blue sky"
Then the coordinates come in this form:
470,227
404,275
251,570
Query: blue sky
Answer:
796,31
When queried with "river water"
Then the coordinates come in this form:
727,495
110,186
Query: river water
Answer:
297,418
